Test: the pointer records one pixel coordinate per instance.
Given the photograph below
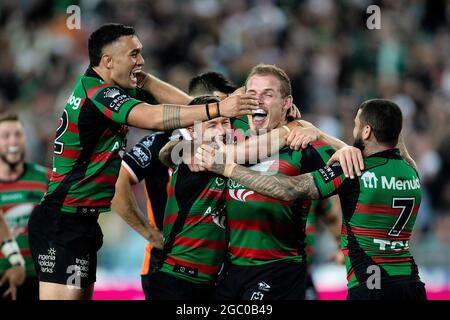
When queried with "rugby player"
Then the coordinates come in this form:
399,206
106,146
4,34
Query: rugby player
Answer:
266,252
379,206
22,185
64,228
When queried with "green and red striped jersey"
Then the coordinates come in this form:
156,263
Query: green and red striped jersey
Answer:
91,132
17,200
263,229
379,210
194,226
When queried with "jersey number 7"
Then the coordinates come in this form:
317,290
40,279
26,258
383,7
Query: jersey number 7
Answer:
407,206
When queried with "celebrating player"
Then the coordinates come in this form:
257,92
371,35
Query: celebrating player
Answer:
379,207
64,228
22,185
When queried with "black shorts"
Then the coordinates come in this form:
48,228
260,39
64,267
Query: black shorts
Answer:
400,289
273,281
162,286
64,246
28,291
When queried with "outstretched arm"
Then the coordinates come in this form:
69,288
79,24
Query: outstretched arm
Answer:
172,116
162,91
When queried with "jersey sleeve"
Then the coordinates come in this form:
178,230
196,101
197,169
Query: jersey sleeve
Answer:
141,160
329,180
315,156
114,102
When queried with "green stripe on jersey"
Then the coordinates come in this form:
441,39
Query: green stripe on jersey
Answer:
17,203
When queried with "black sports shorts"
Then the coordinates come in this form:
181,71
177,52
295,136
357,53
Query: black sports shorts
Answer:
64,246
399,289
274,281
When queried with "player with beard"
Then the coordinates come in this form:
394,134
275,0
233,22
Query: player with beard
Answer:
379,207
22,185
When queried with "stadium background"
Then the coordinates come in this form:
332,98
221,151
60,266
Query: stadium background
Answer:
332,58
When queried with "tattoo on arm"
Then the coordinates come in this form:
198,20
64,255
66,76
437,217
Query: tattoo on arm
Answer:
171,116
277,186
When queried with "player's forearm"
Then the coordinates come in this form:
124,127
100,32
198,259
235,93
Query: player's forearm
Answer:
404,152
259,147
125,204
276,186
164,92
5,233
166,116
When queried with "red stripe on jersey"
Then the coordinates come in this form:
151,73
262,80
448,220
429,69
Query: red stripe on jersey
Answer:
76,202
203,268
391,259
337,182
211,194
200,243
92,91
69,153
103,156
170,218
57,177
73,127
101,178
350,274
381,209
261,225
376,233
23,185
261,254
310,229
285,167
170,190
107,112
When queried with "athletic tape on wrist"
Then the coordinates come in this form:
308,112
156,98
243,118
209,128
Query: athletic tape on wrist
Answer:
11,251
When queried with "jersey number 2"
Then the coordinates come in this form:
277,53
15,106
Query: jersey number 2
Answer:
63,125
407,206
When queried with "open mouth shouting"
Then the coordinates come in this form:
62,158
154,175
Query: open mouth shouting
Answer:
133,76
259,117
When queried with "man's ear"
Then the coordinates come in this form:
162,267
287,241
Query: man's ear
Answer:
287,104
106,61
366,132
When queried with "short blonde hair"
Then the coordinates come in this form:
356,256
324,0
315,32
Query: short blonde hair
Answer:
270,69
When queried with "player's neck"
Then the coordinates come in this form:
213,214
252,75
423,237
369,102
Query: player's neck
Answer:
371,149
9,173
104,74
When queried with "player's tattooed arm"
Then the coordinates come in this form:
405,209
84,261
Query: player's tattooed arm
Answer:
404,152
171,117
277,186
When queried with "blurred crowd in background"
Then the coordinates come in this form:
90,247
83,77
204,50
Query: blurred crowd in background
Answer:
334,62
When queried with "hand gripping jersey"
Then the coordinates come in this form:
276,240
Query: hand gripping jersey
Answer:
194,226
17,200
264,229
379,210
90,134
